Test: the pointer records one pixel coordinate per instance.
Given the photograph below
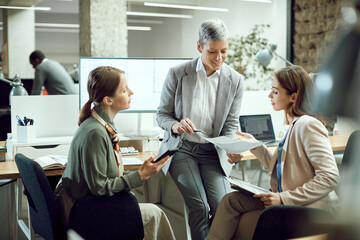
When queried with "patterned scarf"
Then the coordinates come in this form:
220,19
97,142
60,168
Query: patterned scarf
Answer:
115,141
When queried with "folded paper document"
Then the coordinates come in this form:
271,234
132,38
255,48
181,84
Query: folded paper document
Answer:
233,146
246,187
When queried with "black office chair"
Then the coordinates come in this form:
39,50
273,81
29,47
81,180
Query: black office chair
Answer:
286,222
44,216
353,142
104,217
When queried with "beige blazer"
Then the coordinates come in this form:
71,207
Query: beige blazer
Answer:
309,170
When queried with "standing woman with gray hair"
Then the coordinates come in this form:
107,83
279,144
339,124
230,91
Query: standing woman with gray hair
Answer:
201,98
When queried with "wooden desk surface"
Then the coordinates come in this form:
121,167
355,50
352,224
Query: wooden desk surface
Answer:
8,169
338,143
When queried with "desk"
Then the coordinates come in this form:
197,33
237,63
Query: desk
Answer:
338,143
8,169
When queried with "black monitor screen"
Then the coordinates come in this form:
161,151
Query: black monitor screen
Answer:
145,77
260,126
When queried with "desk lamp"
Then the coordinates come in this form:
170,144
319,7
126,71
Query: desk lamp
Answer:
264,56
17,87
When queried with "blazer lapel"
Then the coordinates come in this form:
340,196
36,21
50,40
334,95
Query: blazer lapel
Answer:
222,100
188,86
285,149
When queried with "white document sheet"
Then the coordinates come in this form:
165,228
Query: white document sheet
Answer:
231,145
132,161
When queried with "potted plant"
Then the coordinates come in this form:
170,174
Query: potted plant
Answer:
241,56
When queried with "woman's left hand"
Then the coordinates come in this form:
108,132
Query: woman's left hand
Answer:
269,199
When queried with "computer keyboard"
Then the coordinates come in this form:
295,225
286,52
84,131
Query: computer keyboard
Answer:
128,151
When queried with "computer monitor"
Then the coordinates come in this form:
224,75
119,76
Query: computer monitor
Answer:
145,77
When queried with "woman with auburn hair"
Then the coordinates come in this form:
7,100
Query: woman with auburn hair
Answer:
95,166
302,169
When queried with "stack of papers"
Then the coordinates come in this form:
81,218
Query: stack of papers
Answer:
233,146
246,187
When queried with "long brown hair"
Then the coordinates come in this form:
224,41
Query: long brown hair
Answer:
102,82
294,79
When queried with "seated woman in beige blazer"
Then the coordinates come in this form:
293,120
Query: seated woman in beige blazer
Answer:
306,173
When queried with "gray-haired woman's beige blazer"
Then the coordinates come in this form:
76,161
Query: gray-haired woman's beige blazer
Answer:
309,170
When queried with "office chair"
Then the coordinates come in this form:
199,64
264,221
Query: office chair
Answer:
107,217
286,222
44,216
349,149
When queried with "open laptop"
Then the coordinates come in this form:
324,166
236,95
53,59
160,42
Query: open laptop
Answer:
260,126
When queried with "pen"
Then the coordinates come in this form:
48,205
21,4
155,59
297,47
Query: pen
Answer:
26,120
200,131
20,122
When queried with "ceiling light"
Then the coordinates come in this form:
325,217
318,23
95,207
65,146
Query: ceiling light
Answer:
27,8
72,28
76,30
62,30
149,14
138,28
57,25
151,4
144,21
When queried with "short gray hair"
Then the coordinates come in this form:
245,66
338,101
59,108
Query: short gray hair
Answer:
213,29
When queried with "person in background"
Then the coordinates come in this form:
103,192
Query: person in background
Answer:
50,74
95,166
200,98
302,169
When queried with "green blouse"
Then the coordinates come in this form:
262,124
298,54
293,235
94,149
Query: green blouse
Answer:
92,167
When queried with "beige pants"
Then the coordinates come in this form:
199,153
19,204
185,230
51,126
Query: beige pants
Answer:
156,224
236,217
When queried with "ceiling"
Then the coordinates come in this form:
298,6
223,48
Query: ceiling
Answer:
72,6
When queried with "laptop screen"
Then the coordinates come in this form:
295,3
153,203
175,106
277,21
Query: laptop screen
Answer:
260,126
